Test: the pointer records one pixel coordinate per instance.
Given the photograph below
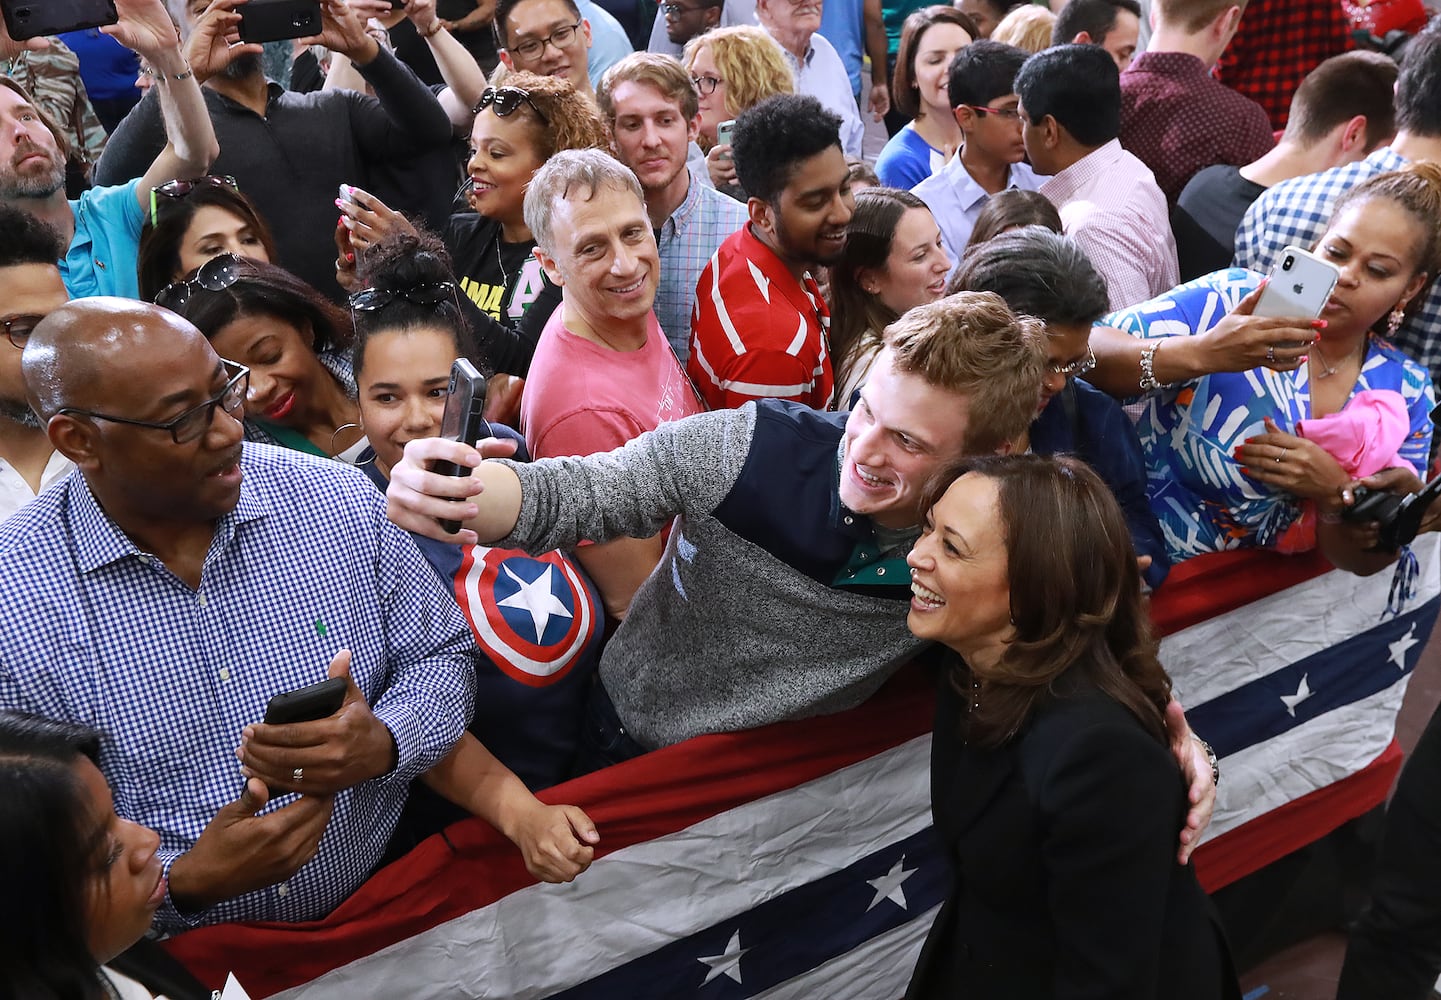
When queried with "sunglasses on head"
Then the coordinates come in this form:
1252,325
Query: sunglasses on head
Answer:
506,100
215,275
371,299
179,190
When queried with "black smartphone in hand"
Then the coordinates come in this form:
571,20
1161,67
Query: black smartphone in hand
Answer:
33,18
463,420
314,701
278,20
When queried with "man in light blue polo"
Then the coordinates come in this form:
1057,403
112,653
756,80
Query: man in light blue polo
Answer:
103,225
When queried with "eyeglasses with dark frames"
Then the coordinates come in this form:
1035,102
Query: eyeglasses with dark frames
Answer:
1075,368
191,424
371,299
178,190
561,38
19,328
215,275
506,100
706,84
1005,114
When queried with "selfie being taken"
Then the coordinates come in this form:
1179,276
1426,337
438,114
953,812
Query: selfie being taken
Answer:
582,498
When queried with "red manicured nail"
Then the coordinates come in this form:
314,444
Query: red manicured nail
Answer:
350,258
1319,324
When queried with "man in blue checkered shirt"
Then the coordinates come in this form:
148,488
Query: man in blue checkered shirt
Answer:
179,579
1295,212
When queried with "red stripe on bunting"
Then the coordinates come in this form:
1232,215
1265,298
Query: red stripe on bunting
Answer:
630,803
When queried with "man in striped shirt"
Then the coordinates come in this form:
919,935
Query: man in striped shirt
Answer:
759,329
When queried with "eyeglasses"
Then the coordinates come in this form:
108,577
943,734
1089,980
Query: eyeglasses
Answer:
706,84
19,328
215,275
1004,114
178,190
194,422
1075,368
371,299
531,48
677,9
506,100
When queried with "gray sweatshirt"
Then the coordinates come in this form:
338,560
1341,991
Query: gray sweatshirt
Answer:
723,635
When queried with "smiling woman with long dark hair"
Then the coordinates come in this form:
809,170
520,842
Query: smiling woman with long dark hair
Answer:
82,883
1054,792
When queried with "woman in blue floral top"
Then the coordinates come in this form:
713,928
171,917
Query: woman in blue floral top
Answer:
1225,391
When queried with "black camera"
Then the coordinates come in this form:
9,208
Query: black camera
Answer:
1398,517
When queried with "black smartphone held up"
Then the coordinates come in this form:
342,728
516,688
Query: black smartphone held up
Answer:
32,18
278,20
315,701
463,420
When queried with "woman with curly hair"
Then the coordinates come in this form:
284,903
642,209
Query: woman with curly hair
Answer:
518,126
733,69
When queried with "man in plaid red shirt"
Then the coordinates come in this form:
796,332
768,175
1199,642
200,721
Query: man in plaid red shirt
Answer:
759,329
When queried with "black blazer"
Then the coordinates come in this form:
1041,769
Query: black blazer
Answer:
1066,883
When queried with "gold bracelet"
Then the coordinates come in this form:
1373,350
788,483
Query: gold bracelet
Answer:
439,27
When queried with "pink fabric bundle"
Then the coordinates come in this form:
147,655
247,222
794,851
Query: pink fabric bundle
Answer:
1365,436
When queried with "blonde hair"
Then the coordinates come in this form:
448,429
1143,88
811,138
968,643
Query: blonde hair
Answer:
971,343
1027,28
750,62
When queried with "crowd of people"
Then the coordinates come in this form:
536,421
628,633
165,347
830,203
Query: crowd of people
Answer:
767,423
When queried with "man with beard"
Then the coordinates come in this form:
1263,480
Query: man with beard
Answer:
760,325
291,152
179,579
652,106
102,227
30,288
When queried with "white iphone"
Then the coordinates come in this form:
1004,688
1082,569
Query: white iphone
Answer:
1300,284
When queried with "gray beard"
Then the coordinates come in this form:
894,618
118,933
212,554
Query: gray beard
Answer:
18,412
38,187
243,68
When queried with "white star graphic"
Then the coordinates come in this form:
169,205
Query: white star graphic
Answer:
1302,693
727,964
1401,645
536,598
888,886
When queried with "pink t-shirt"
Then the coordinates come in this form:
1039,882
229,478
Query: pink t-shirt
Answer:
581,398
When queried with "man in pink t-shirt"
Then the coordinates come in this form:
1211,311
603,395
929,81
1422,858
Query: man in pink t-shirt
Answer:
603,371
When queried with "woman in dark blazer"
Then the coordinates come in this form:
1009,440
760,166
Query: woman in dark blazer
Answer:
1053,788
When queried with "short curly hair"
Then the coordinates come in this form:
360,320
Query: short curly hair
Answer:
751,63
772,138
559,115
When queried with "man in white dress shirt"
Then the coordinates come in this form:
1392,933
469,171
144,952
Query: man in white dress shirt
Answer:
795,24
30,288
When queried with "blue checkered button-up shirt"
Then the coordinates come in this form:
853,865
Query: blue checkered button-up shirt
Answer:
96,631
1295,213
686,242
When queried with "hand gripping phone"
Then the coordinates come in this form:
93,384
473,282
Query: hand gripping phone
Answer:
1299,286
463,420
1397,517
33,18
315,701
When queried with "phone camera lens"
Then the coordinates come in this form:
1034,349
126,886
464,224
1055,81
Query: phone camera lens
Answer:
1286,264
